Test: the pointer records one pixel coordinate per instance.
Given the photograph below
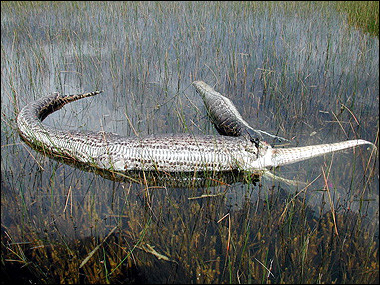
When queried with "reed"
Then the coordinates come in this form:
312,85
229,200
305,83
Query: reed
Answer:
364,14
306,71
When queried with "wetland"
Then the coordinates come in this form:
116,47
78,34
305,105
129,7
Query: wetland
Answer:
300,70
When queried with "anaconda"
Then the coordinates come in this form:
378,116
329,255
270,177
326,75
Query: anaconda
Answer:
170,153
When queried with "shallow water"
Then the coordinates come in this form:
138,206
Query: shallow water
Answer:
308,77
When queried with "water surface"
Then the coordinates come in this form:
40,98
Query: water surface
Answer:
305,76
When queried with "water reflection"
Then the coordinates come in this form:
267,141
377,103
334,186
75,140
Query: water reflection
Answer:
305,76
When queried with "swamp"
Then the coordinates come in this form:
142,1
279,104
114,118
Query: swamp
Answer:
305,71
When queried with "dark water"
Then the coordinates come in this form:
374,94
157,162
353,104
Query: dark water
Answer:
305,76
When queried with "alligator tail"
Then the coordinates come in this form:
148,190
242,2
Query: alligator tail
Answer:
283,156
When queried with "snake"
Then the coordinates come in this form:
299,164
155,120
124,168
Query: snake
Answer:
225,117
186,152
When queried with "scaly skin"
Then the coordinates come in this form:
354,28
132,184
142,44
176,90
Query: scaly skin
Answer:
171,153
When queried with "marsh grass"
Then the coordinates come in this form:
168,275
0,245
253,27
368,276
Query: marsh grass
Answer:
363,14
255,245
298,69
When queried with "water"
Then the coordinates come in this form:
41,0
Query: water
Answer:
305,76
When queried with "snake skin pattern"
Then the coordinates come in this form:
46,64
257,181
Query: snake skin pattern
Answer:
225,117
169,153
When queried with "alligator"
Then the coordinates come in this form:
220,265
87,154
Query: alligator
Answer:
233,151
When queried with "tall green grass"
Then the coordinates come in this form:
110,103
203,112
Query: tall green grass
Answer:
362,14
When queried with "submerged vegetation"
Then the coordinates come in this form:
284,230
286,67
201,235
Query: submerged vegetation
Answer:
307,71
203,245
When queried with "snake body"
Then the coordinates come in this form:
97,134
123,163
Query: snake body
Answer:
224,115
169,153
